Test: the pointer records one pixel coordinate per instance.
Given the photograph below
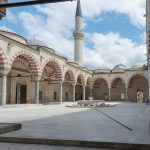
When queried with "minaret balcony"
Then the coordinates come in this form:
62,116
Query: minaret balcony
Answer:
78,35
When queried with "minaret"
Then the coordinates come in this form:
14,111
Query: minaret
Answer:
78,36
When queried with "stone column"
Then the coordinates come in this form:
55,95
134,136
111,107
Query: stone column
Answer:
109,90
91,91
73,92
126,93
60,94
37,87
4,90
83,92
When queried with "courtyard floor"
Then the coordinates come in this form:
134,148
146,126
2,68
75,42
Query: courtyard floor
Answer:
126,123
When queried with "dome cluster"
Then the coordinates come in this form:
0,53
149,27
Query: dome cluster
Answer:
120,68
37,44
12,35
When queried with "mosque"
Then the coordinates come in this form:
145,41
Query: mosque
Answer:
32,73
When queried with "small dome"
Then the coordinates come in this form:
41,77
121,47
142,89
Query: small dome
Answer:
120,66
139,66
5,29
12,35
103,68
36,42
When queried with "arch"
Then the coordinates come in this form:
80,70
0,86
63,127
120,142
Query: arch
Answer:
89,81
71,76
118,89
137,74
115,78
56,65
103,78
30,58
81,78
138,87
3,62
100,89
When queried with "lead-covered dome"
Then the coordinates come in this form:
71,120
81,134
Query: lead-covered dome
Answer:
11,34
36,42
120,66
102,69
139,66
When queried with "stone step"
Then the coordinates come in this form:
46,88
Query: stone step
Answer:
8,127
76,143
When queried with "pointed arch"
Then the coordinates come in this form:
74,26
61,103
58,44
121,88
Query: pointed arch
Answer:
100,77
138,87
137,74
100,88
80,79
117,77
56,66
3,62
118,89
89,81
34,66
71,76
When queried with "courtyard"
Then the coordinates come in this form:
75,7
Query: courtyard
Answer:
124,123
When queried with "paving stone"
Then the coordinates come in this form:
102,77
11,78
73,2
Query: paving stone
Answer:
13,146
60,122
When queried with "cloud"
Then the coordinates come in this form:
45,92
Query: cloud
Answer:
134,10
111,49
11,17
45,31
54,24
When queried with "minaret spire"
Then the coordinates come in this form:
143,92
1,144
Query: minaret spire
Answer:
78,36
78,10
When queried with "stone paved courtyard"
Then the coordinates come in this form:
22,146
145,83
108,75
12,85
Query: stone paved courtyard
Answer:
58,121
14,146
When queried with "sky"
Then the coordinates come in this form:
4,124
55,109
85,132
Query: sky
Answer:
114,29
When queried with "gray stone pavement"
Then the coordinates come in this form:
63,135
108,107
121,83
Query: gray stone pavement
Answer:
13,146
58,121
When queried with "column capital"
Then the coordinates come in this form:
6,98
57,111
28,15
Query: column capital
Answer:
91,87
83,86
60,82
36,78
73,85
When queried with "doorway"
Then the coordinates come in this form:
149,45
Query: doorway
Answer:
21,94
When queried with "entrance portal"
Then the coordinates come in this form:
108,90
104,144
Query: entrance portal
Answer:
21,94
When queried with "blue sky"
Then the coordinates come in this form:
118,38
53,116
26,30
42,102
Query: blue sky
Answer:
114,29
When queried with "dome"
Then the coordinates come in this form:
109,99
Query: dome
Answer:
12,35
102,69
36,42
139,66
5,29
120,66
